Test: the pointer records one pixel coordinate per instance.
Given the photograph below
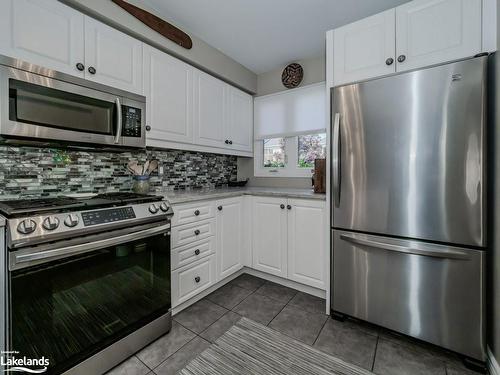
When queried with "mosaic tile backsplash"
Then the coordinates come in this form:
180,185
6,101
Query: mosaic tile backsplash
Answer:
30,172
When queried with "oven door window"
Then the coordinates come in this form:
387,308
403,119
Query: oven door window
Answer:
45,106
70,309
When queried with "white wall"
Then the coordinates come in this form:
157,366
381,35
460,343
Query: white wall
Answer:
202,55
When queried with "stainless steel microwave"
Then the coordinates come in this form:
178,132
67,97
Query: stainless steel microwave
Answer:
44,105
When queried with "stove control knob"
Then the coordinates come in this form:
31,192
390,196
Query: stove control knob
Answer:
26,226
51,223
71,220
164,207
153,208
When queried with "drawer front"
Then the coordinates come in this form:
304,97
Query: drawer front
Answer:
193,279
192,212
182,256
187,234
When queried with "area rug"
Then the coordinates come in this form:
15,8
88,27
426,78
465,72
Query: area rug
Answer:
251,348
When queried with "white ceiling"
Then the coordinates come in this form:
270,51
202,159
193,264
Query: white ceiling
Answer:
265,34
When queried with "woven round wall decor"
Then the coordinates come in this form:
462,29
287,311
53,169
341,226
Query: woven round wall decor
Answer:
292,75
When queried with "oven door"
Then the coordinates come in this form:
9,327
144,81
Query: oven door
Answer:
71,302
46,109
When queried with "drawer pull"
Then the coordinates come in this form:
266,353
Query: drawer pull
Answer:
197,252
197,213
197,279
219,208
197,232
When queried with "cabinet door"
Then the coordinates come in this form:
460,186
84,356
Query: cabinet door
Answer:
210,106
115,56
436,31
269,235
43,32
229,236
239,124
168,86
306,242
362,49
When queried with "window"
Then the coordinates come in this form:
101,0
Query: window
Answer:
290,131
274,153
289,156
311,147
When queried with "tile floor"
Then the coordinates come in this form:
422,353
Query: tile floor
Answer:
295,314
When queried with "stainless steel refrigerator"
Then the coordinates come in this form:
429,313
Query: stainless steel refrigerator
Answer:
409,203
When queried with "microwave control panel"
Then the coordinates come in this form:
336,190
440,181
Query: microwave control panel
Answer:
131,121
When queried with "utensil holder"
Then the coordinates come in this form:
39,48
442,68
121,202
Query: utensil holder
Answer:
141,184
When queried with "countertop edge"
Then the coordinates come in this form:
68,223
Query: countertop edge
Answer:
229,194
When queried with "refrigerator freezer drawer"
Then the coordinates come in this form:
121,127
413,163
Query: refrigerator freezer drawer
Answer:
432,292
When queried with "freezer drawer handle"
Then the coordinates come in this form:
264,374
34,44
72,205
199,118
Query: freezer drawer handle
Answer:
410,249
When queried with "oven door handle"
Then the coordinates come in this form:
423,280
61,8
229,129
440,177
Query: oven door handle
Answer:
18,261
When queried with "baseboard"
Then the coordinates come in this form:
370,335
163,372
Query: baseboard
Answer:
289,283
492,363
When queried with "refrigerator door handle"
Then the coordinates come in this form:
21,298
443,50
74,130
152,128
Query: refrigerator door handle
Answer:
336,160
409,247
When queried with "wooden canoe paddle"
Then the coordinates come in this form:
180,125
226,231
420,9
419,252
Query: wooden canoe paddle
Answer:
166,29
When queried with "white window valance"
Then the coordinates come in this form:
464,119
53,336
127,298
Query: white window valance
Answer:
290,113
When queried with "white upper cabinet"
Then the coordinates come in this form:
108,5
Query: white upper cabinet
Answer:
307,242
269,235
168,86
434,31
210,110
239,120
112,57
229,236
365,48
43,32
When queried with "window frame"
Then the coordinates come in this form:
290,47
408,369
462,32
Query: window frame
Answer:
291,168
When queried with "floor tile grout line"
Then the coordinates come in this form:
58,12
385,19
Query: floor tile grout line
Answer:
171,355
274,317
375,354
321,330
215,322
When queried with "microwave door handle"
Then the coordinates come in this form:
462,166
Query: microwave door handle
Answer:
118,120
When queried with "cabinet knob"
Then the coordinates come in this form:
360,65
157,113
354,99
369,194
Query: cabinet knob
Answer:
282,206
197,213
197,252
389,61
148,128
92,70
197,279
289,207
226,141
197,232
401,58
230,142
80,67
219,208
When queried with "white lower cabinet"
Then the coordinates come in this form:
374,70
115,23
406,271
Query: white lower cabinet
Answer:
229,236
289,239
269,235
212,240
190,280
307,242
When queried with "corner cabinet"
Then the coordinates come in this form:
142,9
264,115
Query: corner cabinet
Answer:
188,109
414,35
289,239
229,215
269,238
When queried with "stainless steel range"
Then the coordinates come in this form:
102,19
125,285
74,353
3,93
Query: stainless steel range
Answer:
88,279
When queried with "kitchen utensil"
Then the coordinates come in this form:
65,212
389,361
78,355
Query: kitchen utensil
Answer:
153,164
145,167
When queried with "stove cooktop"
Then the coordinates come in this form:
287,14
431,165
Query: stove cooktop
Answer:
24,207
